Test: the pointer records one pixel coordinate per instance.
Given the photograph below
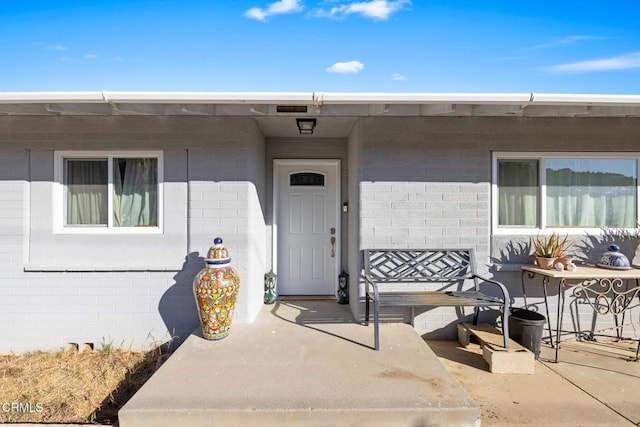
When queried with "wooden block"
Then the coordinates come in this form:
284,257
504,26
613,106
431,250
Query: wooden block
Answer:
487,334
512,362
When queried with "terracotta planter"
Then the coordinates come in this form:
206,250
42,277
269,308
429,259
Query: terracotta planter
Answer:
565,261
546,263
215,289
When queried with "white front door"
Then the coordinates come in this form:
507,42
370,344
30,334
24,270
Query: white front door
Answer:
307,224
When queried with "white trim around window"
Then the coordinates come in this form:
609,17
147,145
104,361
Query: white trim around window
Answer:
541,223
59,202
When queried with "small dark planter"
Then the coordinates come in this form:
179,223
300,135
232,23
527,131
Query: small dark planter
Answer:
525,327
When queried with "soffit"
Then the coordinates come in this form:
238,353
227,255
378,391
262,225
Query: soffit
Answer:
335,112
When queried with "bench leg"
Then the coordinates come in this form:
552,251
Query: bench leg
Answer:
505,325
476,313
376,324
366,310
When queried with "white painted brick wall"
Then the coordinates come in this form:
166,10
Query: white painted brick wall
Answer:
435,197
45,310
231,211
446,164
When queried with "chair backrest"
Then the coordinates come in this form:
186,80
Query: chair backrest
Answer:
419,265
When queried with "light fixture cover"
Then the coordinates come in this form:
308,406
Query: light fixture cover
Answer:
306,126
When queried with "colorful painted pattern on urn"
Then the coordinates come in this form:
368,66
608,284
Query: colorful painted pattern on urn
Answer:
216,289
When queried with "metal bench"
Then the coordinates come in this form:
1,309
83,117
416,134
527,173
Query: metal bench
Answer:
446,268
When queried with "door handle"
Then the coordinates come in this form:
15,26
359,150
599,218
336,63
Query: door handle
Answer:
333,246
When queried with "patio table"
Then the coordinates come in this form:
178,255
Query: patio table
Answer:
607,291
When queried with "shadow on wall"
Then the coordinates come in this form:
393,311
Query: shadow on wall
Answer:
591,248
514,253
177,306
587,249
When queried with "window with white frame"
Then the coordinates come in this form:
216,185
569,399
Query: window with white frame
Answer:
564,190
109,190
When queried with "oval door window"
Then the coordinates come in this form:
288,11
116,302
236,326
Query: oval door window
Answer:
307,179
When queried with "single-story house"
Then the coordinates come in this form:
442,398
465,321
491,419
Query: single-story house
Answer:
110,200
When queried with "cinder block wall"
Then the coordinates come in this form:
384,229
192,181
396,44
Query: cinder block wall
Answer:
226,181
15,292
354,246
426,182
223,168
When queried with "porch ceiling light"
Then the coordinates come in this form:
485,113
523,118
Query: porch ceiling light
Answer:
306,126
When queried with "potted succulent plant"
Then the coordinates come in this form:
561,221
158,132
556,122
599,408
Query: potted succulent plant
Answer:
549,249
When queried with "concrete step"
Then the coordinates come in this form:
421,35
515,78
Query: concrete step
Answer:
302,363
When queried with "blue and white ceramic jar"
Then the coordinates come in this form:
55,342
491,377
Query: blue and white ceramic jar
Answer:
614,259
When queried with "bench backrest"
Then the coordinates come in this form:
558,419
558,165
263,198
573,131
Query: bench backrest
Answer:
419,265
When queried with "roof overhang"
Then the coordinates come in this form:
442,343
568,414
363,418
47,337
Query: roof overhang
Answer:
342,107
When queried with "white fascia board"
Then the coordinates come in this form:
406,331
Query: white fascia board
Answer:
209,97
50,97
307,98
585,99
423,98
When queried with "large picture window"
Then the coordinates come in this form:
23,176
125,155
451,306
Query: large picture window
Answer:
110,190
565,190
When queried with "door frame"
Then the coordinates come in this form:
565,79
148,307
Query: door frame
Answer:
277,164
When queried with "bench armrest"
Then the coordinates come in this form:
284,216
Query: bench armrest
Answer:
369,280
503,289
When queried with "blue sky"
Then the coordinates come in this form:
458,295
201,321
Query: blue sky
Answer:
329,45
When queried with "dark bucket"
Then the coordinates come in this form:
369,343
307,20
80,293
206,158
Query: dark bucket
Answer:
525,327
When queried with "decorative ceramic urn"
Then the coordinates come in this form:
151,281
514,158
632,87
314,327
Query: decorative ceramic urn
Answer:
614,259
216,289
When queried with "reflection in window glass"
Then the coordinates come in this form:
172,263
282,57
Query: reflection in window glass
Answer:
518,193
591,192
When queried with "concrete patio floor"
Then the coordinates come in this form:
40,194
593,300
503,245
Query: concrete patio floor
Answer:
593,384
308,363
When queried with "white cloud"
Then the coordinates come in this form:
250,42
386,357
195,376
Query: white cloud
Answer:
90,56
350,67
574,39
510,58
276,8
621,62
118,59
398,76
375,9
565,41
50,46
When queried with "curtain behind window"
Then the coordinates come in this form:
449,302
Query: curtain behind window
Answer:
86,184
518,192
135,192
591,193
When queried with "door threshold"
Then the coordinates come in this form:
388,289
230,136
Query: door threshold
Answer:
286,298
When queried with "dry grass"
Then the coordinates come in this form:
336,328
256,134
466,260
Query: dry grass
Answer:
71,387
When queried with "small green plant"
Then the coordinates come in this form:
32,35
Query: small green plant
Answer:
106,347
552,246
563,246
